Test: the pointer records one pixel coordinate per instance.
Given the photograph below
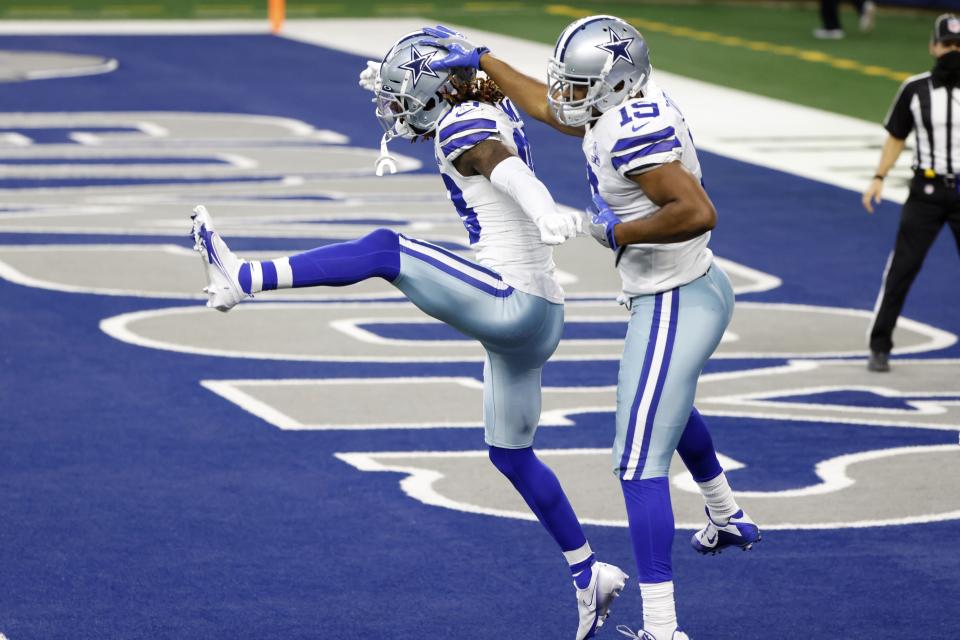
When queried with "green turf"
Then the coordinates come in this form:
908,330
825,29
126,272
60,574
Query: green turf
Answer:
898,43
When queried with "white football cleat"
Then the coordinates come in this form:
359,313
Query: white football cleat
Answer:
739,531
220,264
606,584
644,635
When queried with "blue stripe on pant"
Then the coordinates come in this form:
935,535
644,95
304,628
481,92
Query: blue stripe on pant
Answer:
670,337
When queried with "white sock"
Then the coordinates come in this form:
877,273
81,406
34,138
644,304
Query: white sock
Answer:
659,610
719,498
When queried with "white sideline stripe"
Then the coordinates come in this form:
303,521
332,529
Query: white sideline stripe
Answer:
649,390
132,27
284,273
419,485
472,272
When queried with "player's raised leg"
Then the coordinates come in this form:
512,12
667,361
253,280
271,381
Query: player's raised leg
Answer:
231,279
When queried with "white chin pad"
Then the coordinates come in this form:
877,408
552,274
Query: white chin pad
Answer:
386,164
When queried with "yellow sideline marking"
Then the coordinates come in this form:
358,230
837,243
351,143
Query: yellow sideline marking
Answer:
298,9
46,10
807,55
406,8
218,10
131,9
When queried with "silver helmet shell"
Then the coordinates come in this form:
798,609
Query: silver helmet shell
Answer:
410,93
597,63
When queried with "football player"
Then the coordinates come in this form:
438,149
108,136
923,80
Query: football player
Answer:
509,299
651,210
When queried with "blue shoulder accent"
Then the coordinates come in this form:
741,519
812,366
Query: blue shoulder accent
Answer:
657,147
592,179
465,141
508,107
628,143
463,125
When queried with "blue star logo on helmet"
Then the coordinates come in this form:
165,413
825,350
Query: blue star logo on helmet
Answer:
419,64
617,47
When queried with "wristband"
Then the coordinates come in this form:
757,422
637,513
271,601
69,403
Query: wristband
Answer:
879,177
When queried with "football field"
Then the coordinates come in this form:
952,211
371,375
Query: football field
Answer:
311,465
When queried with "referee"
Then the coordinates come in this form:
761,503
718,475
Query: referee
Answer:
928,105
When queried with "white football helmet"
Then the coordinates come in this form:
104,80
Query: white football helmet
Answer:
597,63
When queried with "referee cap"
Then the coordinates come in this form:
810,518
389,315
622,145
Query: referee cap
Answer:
946,28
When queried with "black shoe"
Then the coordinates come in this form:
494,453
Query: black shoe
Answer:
879,362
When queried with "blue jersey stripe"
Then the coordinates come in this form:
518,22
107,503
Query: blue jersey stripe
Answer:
463,125
592,178
658,147
467,215
465,141
629,143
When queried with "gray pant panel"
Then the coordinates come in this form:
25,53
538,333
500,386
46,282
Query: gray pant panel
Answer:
657,384
519,332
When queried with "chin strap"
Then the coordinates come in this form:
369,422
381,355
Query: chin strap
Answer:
385,162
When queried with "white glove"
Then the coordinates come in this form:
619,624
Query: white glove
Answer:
558,227
370,77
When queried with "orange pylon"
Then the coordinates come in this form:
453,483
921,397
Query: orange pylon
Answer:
276,10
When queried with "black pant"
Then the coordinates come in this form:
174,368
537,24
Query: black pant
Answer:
923,215
830,12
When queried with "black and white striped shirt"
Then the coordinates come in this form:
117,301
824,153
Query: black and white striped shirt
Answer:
931,110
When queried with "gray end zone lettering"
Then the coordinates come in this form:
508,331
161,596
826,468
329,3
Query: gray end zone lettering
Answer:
873,488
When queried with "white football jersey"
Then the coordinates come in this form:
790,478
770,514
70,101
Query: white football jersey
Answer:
641,135
504,237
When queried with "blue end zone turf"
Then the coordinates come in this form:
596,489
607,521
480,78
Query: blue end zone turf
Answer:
136,504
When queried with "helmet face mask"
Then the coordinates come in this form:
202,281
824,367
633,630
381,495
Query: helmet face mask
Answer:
397,113
574,98
598,62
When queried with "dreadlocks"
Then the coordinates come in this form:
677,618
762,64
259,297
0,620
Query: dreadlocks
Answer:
479,89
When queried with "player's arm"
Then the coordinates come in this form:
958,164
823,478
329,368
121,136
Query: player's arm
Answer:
510,175
892,149
527,93
686,211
